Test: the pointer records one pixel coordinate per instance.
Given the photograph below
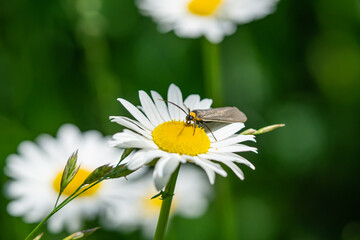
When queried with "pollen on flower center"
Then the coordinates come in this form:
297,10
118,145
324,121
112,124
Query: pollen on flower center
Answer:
203,7
75,183
178,137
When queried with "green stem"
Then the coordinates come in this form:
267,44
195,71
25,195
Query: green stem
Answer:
214,89
79,191
226,210
212,72
39,226
165,206
61,205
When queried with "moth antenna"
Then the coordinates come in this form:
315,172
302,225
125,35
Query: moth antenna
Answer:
174,105
187,108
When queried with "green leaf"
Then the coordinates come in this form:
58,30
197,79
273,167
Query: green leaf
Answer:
81,234
98,174
120,171
125,154
163,194
158,194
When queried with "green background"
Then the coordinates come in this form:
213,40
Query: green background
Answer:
67,62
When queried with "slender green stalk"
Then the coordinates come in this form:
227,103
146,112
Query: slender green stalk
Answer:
165,207
61,205
225,210
214,88
31,235
115,173
212,72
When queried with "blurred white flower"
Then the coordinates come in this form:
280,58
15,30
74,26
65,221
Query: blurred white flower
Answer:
159,131
139,211
36,173
213,19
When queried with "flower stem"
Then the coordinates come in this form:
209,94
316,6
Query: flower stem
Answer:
61,205
212,72
214,88
165,206
39,226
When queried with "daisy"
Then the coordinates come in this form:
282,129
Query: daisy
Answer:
213,19
139,211
36,174
159,132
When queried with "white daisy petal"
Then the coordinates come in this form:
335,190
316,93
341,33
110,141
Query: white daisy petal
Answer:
163,171
227,157
214,20
128,140
209,171
191,101
161,106
149,108
143,157
234,148
136,113
175,96
232,140
214,166
246,11
131,124
235,169
204,104
159,168
228,130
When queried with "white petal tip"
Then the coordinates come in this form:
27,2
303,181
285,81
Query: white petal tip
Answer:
132,167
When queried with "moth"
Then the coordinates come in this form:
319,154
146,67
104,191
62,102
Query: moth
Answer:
222,115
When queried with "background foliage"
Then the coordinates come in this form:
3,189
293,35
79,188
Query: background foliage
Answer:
67,61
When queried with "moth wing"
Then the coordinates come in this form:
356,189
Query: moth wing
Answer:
224,114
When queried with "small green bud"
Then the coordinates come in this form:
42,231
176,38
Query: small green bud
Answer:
38,236
266,129
249,131
70,171
81,234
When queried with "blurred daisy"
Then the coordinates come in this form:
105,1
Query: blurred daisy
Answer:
159,131
213,19
36,174
139,211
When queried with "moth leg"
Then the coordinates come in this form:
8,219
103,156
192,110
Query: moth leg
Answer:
194,125
181,131
210,131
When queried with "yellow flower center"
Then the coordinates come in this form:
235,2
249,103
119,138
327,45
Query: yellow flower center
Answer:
75,183
203,7
178,137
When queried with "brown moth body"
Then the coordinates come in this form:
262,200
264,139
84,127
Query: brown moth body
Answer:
223,115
